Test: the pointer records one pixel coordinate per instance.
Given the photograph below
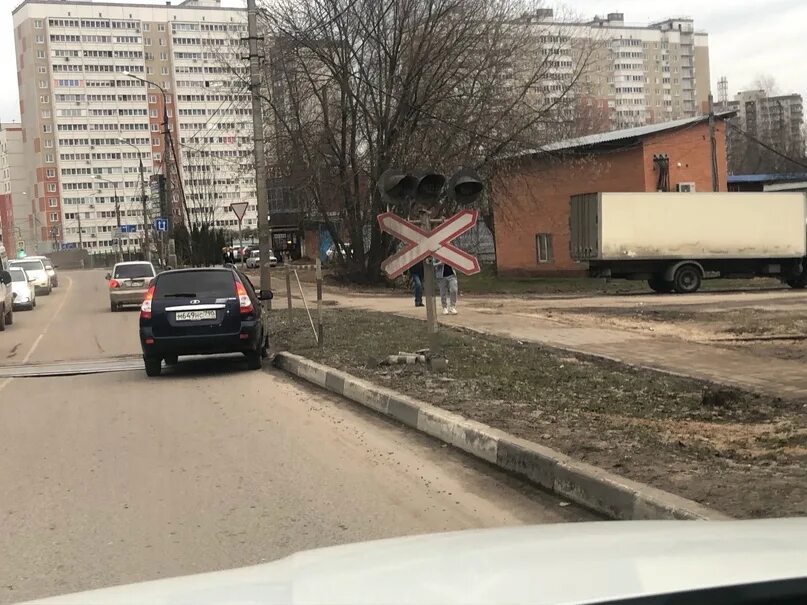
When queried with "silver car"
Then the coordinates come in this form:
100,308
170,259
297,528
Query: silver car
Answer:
49,268
128,283
35,268
23,291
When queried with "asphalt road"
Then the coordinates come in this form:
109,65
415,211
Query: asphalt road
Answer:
115,478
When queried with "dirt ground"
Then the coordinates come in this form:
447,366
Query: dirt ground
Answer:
760,330
742,453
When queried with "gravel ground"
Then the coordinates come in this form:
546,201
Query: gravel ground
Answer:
739,452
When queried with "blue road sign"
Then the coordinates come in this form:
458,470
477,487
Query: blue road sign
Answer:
128,228
161,224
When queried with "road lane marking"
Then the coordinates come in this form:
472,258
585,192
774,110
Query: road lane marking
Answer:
25,359
50,321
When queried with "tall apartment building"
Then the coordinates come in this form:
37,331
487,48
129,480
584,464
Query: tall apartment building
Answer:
778,118
16,212
637,74
87,118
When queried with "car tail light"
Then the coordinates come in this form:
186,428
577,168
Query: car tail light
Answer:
244,302
145,308
114,283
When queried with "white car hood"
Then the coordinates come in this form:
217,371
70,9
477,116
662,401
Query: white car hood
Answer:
549,564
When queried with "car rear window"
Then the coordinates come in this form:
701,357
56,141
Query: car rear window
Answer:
17,274
30,265
195,283
130,271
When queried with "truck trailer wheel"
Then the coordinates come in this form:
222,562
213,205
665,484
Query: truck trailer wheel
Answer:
687,279
797,283
660,285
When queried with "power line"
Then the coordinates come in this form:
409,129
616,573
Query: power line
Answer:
766,146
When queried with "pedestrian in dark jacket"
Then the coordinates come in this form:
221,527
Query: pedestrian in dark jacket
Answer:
416,275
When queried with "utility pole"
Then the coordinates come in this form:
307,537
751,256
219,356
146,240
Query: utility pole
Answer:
713,143
117,219
146,222
264,232
80,239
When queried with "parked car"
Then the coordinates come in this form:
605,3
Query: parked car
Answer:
35,268
254,259
128,283
22,288
50,268
202,312
6,293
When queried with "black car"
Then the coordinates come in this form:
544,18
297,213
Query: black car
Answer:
202,312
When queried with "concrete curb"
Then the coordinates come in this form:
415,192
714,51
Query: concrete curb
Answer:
606,493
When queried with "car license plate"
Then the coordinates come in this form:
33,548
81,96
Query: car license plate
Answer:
195,315
136,284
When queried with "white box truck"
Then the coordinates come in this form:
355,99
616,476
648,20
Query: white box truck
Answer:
674,240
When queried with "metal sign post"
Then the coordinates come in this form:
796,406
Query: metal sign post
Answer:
240,209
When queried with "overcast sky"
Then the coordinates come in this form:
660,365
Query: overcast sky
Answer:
747,38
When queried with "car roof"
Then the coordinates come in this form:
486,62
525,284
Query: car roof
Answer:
22,260
198,270
135,262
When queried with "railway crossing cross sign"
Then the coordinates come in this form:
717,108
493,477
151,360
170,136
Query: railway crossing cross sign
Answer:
421,244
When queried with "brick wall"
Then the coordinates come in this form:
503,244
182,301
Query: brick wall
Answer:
532,196
690,148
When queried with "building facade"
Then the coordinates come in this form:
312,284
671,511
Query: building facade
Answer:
635,74
16,214
778,118
531,191
88,117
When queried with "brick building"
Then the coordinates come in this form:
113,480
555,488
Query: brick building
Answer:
531,190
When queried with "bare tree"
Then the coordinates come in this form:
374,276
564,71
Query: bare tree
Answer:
357,86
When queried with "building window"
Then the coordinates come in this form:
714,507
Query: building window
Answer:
164,71
40,39
47,128
46,113
155,128
44,99
43,84
38,23
153,113
54,217
40,54
157,156
49,143
163,56
162,41
155,142
161,27
52,187
146,27
543,248
49,156
51,172
42,69
147,41
152,98
52,202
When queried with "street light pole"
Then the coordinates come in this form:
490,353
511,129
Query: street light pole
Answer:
146,222
166,160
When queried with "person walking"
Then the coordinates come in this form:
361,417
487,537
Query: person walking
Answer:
416,275
449,288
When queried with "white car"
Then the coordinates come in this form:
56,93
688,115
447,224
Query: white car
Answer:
6,294
35,268
22,289
637,562
254,259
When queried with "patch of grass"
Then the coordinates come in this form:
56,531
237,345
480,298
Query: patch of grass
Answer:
675,433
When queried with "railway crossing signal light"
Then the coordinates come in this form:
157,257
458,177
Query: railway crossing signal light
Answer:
429,188
396,186
465,187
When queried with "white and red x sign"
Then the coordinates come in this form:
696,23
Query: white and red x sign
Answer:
420,244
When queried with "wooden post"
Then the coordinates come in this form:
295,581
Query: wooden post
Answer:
319,301
428,292
288,290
